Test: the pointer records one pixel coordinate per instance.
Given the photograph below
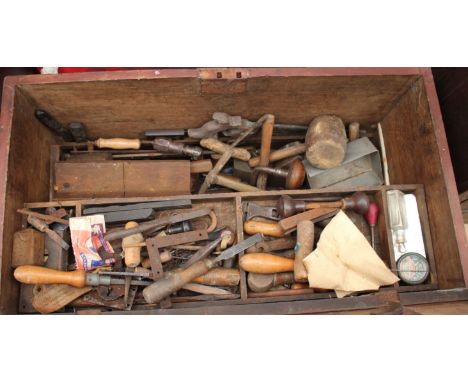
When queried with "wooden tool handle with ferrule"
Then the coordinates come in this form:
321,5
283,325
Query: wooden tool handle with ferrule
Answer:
252,227
225,181
219,277
220,148
132,254
118,143
164,287
304,246
265,263
284,153
32,274
267,135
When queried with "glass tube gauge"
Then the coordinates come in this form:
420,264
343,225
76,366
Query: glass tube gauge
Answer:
398,217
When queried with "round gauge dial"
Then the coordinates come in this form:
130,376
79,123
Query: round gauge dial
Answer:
412,268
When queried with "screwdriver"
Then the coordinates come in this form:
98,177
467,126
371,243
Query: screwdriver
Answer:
371,217
32,274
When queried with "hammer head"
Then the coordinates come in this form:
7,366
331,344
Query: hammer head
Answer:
252,210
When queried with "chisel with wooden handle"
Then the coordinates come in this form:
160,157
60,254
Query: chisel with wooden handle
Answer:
176,280
32,274
159,144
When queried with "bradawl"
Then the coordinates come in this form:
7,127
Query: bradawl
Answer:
252,210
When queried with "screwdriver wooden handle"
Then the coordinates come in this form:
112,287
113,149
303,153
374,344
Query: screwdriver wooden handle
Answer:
220,148
225,181
252,227
164,287
132,254
32,274
118,143
219,277
277,155
265,263
304,246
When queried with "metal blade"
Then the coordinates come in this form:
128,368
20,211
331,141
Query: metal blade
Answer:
240,247
202,253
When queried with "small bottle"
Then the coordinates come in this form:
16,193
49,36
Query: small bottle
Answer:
398,217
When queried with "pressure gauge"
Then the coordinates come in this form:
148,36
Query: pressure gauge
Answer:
412,268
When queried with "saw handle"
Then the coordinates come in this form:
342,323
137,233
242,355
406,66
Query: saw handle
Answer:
118,143
33,274
164,287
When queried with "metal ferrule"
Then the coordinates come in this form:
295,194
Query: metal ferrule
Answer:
272,171
95,279
167,146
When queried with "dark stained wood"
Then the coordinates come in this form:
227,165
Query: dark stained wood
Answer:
452,90
27,163
127,107
88,180
412,154
143,178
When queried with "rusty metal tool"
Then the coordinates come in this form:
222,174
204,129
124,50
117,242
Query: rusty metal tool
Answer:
32,274
167,146
294,175
51,123
274,245
287,206
253,210
201,253
267,134
157,206
46,218
157,223
164,287
78,131
227,155
43,227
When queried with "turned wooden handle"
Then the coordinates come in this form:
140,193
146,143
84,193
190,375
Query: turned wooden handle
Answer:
313,205
280,154
32,274
252,227
304,246
265,263
219,277
267,135
224,181
259,282
118,143
220,148
353,131
164,287
132,255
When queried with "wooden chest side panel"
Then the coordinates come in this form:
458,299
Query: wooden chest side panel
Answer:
412,155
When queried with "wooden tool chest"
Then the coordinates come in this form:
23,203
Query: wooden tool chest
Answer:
125,104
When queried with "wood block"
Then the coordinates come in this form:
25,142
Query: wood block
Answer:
28,248
89,180
157,178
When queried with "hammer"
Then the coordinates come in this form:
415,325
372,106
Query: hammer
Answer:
287,206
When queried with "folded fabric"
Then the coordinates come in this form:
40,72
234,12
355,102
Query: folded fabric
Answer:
345,261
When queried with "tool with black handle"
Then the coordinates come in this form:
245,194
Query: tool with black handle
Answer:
175,281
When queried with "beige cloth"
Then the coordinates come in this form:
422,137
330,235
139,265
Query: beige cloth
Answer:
345,261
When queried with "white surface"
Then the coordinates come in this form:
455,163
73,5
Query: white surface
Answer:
414,237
